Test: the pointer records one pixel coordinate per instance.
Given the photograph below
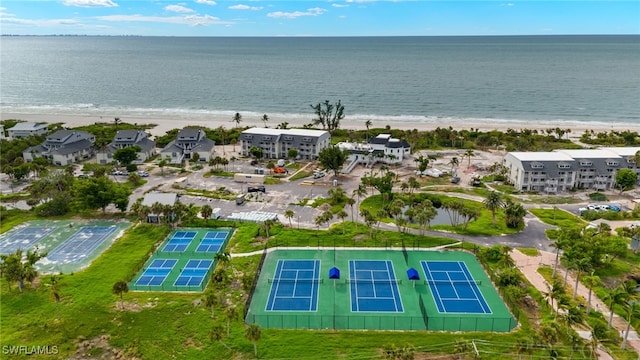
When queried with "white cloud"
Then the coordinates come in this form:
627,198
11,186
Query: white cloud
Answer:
3,13
191,20
90,3
245,7
179,9
508,4
339,5
206,2
296,14
361,1
40,22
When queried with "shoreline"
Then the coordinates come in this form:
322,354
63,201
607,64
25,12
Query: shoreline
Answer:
164,124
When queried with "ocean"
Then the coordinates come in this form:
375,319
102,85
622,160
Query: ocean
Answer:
555,80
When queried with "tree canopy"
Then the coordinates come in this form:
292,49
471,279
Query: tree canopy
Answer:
328,115
14,269
625,179
98,193
332,158
127,155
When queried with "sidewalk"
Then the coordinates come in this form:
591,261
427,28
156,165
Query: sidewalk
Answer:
529,266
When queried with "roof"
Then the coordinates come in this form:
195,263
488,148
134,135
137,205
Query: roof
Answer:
163,198
129,135
622,151
189,133
64,136
73,147
28,126
588,153
541,156
276,132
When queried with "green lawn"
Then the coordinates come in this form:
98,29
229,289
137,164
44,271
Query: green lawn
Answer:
558,217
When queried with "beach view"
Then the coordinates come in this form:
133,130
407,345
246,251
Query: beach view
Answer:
306,180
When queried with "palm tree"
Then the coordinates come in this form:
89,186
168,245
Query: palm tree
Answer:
54,293
582,265
217,334
231,313
454,162
493,202
237,118
342,215
211,299
116,122
161,165
253,334
368,124
469,153
267,225
615,297
633,310
119,288
206,211
591,281
264,119
289,214
222,258
351,201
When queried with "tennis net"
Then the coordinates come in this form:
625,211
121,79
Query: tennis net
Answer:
293,281
453,282
373,281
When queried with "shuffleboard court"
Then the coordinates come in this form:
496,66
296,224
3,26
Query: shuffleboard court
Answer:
453,288
374,286
81,244
23,238
294,286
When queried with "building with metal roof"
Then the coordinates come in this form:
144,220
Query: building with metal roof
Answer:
63,147
275,143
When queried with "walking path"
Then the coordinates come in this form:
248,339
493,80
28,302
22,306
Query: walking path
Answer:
529,266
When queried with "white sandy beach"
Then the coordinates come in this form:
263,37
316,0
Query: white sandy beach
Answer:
164,124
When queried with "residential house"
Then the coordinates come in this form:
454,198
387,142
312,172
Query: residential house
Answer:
383,148
63,147
276,143
628,155
161,198
189,141
127,138
25,129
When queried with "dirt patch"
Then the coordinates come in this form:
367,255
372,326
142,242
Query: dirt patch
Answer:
99,348
360,238
134,307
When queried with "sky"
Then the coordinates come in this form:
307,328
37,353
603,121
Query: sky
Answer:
317,18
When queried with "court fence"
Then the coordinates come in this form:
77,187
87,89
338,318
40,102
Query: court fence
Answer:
254,283
448,322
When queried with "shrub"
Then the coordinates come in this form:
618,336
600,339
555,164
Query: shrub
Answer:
597,196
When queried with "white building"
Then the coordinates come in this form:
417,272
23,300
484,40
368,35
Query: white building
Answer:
189,141
25,129
383,148
275,143
562,170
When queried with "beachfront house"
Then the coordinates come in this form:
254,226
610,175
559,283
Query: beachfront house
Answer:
275,143
562,169
164,199
383,148
630,157
124,139
26,129
63,147
188,142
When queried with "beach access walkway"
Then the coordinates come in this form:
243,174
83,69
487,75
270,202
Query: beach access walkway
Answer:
529,265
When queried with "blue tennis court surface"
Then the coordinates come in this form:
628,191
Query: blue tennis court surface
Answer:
81,244
453,288
373,286
212,241
23,238
157,272
295,286
194,273
179,241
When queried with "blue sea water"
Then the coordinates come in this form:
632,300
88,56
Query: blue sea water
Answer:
441,80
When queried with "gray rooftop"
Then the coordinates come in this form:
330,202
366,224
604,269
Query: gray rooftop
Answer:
28,126
163,198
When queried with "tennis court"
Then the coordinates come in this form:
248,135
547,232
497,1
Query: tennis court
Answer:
71,244
81,244
375,289
183,262
23,238
453,288
295,286
373,286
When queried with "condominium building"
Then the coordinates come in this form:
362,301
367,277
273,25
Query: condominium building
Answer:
63,147
562,169
189,141
275,143
25,129
128,138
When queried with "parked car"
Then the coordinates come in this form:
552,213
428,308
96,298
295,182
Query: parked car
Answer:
455,179
143,173
256,189
318,175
